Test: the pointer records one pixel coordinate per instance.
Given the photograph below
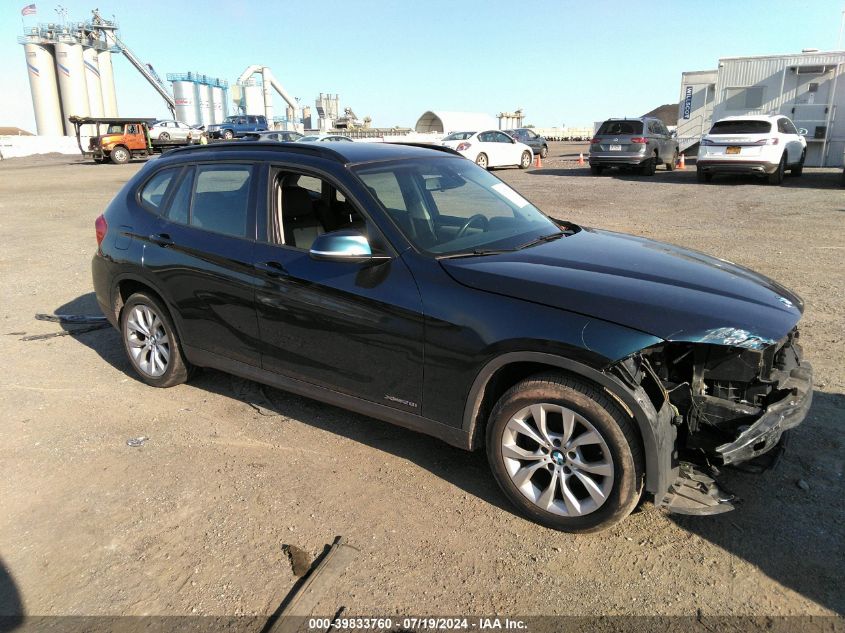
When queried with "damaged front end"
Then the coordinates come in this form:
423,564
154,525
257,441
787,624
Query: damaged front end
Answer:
733,395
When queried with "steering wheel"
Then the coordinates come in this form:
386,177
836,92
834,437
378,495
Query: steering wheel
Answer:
478,216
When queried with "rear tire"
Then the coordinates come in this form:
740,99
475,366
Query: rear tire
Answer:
799,168
670,166
525,160
151,342
648,167
596,170
120,155
702,176
776,177
586,472
164,136
481,161
544,151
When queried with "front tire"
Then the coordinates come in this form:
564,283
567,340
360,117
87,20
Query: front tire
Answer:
228,135
119,155
481,161
151,342
525,160
564,454
544,151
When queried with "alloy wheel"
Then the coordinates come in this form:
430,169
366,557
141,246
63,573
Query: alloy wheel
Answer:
558,460
481,161
147,341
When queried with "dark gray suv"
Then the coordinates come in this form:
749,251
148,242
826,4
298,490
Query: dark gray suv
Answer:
641,143
538,144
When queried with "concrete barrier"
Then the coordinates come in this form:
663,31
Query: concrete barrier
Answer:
17,146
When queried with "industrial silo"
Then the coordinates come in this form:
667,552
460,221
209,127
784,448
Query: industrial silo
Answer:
107,83
92,82
45,93
253,97
72,88
206,115
218,103
187,101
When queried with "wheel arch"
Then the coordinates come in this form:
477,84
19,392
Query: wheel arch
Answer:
501,373
127,285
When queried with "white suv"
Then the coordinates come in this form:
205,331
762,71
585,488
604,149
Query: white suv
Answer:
764,145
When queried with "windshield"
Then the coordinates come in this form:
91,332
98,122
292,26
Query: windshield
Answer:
621,127
741,127
458,136
449,205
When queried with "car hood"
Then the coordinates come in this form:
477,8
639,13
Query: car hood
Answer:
667,291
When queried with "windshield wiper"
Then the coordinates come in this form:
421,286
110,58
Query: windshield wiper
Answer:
540,240
478,252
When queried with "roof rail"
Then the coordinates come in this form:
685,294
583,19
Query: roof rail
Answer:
439,148
298,148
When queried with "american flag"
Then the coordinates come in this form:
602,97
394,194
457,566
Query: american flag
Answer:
28,10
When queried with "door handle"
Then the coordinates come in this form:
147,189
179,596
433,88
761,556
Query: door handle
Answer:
271,269
162,239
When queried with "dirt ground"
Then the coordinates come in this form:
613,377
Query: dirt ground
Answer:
194,520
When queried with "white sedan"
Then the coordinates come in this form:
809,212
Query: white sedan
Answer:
170,130
490,148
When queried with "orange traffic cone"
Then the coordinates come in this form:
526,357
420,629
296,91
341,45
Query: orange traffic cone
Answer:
682,164
581,158
537,161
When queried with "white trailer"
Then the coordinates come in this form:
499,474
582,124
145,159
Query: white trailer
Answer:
805,86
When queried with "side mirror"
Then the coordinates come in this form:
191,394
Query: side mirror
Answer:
673,134
343,246
803,131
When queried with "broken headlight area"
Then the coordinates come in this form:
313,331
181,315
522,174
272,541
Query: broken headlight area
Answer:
731,404
734,402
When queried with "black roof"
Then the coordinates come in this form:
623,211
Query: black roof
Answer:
85,120
344,152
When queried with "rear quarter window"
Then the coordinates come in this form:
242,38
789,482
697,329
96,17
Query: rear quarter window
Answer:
154,191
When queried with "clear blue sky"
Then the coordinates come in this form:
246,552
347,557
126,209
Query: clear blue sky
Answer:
564,62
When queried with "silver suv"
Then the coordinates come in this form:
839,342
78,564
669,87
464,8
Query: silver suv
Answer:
641,143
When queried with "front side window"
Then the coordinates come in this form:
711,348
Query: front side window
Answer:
449,205
221,199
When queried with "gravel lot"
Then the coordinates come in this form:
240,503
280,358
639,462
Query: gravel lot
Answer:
193,521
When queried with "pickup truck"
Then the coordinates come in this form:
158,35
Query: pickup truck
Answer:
237,125
119,139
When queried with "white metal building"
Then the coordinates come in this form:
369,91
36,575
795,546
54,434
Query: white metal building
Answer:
806,87
447,122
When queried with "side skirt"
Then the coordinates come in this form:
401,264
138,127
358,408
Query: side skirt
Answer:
450,435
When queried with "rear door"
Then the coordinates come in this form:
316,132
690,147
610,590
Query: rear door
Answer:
200,254
792,140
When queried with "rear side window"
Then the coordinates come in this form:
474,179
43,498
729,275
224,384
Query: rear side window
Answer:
155,189
221,199
739,126
621,127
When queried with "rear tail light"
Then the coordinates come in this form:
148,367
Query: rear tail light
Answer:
464,146
595,141
767,141
639,140
706,141
101,226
